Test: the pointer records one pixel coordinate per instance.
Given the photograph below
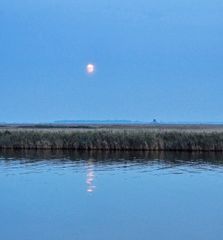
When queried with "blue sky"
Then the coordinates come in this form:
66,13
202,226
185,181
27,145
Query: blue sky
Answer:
154,59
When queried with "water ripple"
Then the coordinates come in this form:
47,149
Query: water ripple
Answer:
30,163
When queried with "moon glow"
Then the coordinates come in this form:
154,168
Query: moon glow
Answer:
90,68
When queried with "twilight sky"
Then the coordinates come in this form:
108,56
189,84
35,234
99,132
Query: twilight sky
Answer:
154,59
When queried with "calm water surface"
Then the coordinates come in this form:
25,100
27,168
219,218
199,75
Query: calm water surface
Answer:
99,195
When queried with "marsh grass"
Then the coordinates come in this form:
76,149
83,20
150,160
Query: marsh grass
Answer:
113,139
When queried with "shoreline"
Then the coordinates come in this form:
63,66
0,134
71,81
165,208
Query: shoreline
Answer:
191,138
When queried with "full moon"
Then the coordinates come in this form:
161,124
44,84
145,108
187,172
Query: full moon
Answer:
90,68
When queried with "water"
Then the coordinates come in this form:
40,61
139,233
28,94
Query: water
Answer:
100,195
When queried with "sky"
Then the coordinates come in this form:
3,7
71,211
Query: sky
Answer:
153,58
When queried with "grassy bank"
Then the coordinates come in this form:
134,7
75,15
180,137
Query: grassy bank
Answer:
132,138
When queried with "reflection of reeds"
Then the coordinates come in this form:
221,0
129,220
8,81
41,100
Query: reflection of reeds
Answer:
102,139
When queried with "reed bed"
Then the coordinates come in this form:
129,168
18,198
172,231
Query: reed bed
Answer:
141,139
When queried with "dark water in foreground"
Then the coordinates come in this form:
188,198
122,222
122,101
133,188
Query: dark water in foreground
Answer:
68,195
